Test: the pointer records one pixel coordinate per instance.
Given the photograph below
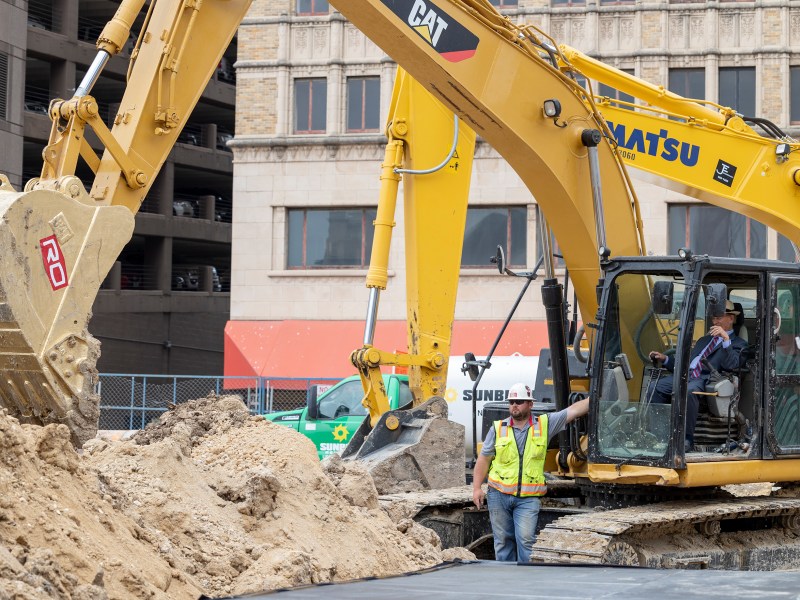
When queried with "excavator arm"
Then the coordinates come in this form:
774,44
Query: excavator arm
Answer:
701,149
59,242
506,84
493,76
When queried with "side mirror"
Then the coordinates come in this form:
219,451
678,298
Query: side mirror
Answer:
662,297
470,366
311,403
500,260
716,295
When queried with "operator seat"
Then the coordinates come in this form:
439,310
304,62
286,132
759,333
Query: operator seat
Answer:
739,328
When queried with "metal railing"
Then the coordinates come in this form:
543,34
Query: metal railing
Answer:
131,401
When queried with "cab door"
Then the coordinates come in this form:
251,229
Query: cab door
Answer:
340,415
782,392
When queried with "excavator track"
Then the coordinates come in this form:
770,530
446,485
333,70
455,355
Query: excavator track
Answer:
751,534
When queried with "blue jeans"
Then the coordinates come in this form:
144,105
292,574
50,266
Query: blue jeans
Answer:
513,525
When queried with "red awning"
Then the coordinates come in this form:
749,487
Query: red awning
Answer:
322,348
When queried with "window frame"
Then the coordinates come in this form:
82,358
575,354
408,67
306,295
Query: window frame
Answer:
688,228
366,248
363,79
599,86
501,4
314,12
310,116
509,245
5,76
686,71
794,94
738,104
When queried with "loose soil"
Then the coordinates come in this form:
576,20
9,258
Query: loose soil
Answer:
208,500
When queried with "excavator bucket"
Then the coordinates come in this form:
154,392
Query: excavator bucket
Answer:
411,450
57,250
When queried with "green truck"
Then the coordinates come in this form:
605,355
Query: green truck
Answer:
331,418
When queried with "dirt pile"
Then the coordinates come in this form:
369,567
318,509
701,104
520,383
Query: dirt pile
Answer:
209,500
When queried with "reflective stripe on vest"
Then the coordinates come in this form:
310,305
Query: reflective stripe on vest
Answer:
504,470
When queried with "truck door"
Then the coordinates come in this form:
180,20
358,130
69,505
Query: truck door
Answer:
782,401
340,415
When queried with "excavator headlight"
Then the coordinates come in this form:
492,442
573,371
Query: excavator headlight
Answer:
552,108
782,152
685,253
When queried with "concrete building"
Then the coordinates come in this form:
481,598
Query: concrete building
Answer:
165,304
312,98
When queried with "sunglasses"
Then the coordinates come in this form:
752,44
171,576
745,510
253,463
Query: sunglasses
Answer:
523,401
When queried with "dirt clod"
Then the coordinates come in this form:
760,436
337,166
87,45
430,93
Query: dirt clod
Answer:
206,500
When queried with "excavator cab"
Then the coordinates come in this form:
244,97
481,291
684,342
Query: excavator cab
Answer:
749,411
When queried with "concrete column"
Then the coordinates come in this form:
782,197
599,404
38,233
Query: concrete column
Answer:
712,77
65,18
210,135
388,73
113,280
164,188
158,261
335,93
208,206
283,126
62,79
206,278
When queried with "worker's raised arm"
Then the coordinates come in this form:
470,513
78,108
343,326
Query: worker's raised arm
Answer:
578,409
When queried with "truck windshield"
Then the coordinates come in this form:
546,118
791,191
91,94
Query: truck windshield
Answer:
631,423
342,401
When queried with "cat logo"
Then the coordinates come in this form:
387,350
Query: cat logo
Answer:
448,37
426,22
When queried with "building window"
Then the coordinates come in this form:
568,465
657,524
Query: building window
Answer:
562,3
614,94
489,227
310,105
689,83
737,89
3,86
715,231
614,2
503,3
312,7
321,238
786,250
794,94
363,103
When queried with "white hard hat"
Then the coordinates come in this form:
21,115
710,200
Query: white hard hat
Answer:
519,390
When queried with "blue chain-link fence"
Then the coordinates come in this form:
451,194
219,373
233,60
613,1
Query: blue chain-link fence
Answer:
131,401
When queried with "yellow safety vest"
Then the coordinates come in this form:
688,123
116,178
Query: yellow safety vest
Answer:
505,472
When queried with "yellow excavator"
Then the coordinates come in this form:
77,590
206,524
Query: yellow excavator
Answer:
514,87
530,100
60,237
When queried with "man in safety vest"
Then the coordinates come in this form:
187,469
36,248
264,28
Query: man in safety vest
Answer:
513,457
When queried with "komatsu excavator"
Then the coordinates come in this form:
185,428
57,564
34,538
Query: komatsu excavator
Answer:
524,95
59,241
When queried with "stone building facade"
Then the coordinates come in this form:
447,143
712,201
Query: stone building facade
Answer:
745,54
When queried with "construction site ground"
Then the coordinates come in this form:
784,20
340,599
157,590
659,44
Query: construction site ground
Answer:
207,501
211,501
489,580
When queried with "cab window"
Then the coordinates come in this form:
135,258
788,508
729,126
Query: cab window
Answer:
343,401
